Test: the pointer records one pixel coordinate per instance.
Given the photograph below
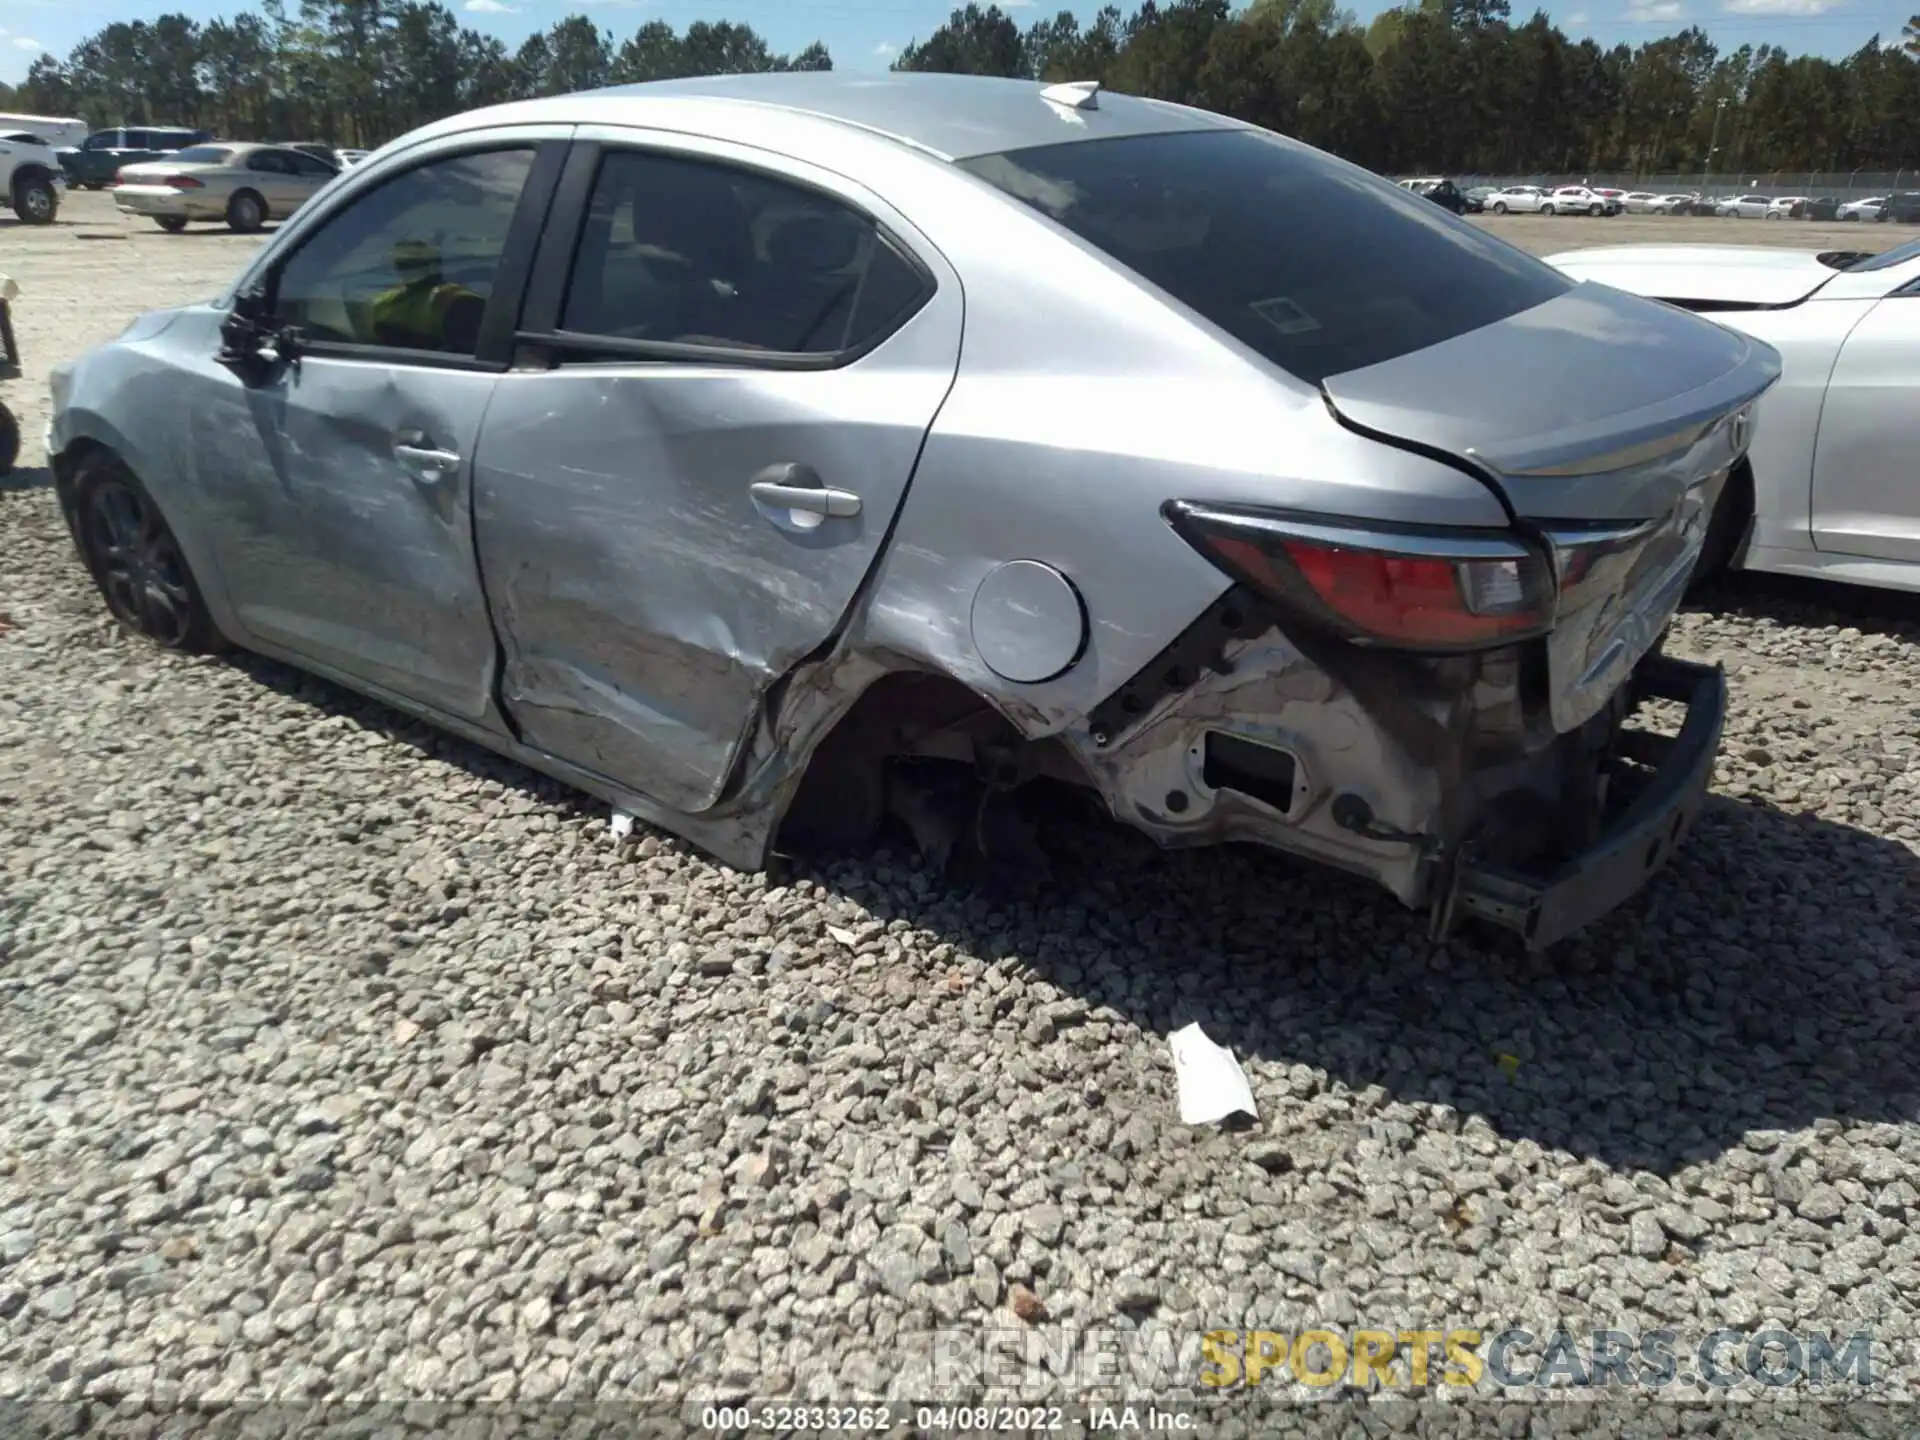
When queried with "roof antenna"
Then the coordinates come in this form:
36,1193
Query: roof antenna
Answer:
1074,94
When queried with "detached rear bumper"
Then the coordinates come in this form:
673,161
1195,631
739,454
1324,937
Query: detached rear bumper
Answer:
1546,909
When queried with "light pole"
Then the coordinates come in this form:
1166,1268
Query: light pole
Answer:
1713,144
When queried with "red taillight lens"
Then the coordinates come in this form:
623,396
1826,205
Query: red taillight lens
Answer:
1464,591
185,182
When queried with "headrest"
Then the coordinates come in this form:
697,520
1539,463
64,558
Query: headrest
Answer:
816,243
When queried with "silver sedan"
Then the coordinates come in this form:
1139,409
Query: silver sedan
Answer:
773,455
242,186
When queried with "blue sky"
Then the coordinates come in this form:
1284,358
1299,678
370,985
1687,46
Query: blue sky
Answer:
865,34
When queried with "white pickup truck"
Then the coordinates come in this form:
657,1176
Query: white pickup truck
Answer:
30,177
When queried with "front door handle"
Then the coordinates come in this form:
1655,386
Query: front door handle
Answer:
414,450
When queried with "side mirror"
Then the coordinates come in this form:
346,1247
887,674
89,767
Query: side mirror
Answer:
251,345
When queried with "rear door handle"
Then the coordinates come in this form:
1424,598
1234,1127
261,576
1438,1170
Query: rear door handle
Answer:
809,499
796,487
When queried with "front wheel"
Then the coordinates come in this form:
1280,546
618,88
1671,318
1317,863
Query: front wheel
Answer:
172,224
1595,209
1546,210
1499,207
34,201
135,561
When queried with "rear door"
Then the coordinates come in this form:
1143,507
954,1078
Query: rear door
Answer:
729,361
271,172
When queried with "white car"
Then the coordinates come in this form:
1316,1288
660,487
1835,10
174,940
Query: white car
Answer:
1579,200
1672,204
1639,202
1868,209
1782,206
1828,488
30,180
1745,207
1519,199
349,158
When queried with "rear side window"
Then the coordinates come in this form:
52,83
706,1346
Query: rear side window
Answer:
1318,266
687,252
202,155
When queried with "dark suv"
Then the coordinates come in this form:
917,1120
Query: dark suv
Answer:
1902,209
99,157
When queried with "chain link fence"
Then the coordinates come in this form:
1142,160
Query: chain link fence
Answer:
1814,184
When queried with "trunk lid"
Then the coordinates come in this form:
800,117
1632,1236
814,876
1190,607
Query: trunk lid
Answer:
1723,275
1610,423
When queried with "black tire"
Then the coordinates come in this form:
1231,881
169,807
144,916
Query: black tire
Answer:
35,201
1499,207
246,212
1546,209
1730,515
1596,209
9,440
172,224
135,561
94,185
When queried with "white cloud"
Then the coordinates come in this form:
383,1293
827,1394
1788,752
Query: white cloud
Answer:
886,50
23,42
1779,7
1578,17
488,7
1660,11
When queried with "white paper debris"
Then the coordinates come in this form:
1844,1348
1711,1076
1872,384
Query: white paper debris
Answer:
620,825
1212,1085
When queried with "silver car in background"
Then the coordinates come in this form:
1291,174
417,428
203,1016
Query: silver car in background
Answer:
752,452
242,186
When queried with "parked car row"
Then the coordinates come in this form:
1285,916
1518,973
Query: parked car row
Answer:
42,155
1902,208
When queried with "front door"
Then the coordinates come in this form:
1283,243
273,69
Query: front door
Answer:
342,482
1866,463
683,507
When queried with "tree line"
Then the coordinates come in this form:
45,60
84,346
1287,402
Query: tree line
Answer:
1438,85
359,72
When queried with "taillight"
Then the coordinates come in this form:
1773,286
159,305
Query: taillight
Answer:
185,182
1395,589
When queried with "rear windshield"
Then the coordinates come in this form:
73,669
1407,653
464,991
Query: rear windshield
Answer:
1317,265
201,155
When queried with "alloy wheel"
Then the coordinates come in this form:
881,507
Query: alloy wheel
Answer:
139,565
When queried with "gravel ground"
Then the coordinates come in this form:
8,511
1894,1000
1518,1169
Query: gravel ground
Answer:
342,1060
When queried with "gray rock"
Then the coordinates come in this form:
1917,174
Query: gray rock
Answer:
58,1302
1646,1237
1822,1203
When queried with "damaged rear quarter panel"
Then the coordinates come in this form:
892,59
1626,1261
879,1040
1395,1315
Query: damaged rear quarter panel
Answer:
1084,401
